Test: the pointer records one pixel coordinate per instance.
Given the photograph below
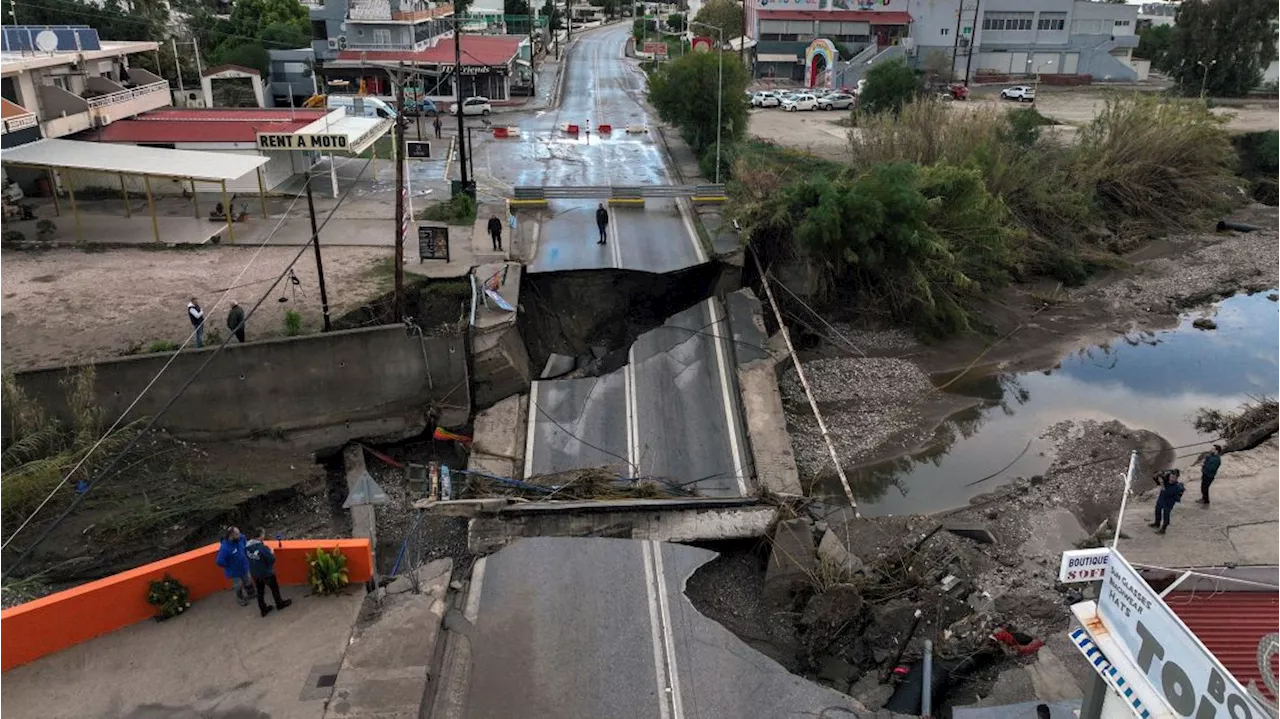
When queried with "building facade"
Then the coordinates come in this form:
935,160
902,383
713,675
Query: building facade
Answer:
69,81
992,38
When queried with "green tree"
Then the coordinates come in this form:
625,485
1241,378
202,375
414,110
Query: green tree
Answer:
610,8
1153,45
142,20
890,85
724,14
249,17
1221,47
555,19
283,35
675,21
249,54
515,7
684,91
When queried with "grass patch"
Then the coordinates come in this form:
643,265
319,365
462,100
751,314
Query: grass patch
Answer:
457,210
162,346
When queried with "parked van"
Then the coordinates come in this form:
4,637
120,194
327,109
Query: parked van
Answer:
361,106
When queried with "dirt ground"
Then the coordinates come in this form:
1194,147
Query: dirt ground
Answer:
66,306
816,132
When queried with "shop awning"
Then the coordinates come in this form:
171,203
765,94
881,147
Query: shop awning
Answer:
766,57
361,132
1108,671
133,160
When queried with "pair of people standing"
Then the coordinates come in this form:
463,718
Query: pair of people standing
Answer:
250,565
235,320
1172,489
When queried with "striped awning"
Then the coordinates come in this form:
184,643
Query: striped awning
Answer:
1108,671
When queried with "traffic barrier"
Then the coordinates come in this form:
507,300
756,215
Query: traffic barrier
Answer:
501,132
572,129
513,132
636,129
605,129
57,621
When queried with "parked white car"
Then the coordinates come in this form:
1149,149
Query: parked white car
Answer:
802,101
765,98
1021,93
473,106
836,101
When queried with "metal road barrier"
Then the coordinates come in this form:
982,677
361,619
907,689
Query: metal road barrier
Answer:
616,195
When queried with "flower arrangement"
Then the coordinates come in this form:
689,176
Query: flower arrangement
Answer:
169,596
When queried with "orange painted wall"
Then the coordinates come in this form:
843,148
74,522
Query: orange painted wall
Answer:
49,624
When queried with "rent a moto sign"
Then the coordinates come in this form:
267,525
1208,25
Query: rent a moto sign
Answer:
308,142
1187,676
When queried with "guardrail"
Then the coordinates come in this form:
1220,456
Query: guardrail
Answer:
629,194
116,98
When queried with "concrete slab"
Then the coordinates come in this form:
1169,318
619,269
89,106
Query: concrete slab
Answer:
497,429
384,673
116,229
791,563
217,660
771,452
746,320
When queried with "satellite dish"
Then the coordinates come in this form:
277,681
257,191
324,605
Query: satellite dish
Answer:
46,41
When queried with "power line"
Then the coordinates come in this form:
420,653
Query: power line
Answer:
149,385
106,472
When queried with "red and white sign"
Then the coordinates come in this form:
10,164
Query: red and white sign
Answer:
701,44
655,48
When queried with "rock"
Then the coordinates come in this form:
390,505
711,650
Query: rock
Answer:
832,550
976,532
1273,297
820,526
828,613
791,563
1037,479
992,514
836,670
1204,323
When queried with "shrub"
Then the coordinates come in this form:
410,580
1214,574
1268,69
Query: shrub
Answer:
457,210
12,237
292,323
44,229
169,597
162,346
1258,152
890,86
327,571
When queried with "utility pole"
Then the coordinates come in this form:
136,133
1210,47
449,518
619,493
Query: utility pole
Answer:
457,77
315,243
973,38
401,219
955,46
177,64
568,10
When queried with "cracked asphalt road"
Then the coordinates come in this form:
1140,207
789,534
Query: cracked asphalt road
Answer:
600,86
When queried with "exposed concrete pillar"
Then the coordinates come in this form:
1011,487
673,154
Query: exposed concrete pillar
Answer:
364,522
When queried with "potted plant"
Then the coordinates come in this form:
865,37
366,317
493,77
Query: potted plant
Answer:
327,571
169,596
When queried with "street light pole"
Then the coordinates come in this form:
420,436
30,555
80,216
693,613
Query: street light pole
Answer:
719,89
1204,81
1036,91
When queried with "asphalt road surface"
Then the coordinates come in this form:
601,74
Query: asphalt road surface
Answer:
576,627
599,86
671,411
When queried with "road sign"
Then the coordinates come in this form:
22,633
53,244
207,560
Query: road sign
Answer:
433,243
298,142
1084,565
655,48
417,149
700,44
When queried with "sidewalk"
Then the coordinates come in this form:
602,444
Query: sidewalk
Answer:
468,247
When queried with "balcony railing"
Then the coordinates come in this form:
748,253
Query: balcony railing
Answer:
123,96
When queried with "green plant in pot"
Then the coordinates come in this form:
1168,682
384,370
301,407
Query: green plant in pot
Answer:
327,571
169,596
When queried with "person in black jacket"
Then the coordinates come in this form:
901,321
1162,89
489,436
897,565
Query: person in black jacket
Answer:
602,221
196,315
495,233
235,320
262,563
1170,494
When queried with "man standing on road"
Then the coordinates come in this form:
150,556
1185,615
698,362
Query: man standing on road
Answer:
1208,471
602,221
262,562
436,124
495,233
235,320
1170,494
196,315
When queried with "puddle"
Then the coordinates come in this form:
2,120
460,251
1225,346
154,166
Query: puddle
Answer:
1153,381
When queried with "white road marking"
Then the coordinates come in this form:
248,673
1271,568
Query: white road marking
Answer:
719,332
629,394
614,238
658,663
528,440
472,610
449,160
698,250
669,645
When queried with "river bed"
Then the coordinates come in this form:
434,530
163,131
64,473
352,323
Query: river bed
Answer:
1147,380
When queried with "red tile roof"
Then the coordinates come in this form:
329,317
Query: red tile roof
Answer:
10,110
875,18
214,125
1230,624
477,51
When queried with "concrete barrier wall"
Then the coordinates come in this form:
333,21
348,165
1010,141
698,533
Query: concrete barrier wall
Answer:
53,623
319,390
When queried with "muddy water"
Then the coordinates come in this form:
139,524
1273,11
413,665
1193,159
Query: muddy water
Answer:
1155,381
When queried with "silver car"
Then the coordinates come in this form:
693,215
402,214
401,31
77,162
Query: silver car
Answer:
836,101
765,98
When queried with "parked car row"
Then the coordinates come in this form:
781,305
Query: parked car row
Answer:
797,100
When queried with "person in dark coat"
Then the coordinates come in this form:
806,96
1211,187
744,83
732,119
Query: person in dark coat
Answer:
602,221
437,125
495,233
196,315
235,320
262,563
1171,490
1209,471
234,563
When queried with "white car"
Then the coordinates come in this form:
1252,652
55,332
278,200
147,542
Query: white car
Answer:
802,101
765,98
473,106
1021,93
836,101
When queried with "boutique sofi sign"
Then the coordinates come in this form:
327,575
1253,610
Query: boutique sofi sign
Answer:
1185,674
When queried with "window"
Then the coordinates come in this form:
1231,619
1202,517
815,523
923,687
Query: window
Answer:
1008,21
1122,23
1052,21
946,31
381,36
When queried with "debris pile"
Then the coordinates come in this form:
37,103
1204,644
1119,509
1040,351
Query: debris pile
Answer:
979,582
597,483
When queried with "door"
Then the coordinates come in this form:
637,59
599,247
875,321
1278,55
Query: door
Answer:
1071,63
1018,63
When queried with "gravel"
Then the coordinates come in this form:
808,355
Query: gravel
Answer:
865,403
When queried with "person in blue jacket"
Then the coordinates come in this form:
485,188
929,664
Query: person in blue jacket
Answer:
262,563
1171,490
1209,472
235,564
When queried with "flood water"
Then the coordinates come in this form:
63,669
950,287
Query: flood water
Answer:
1153,381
